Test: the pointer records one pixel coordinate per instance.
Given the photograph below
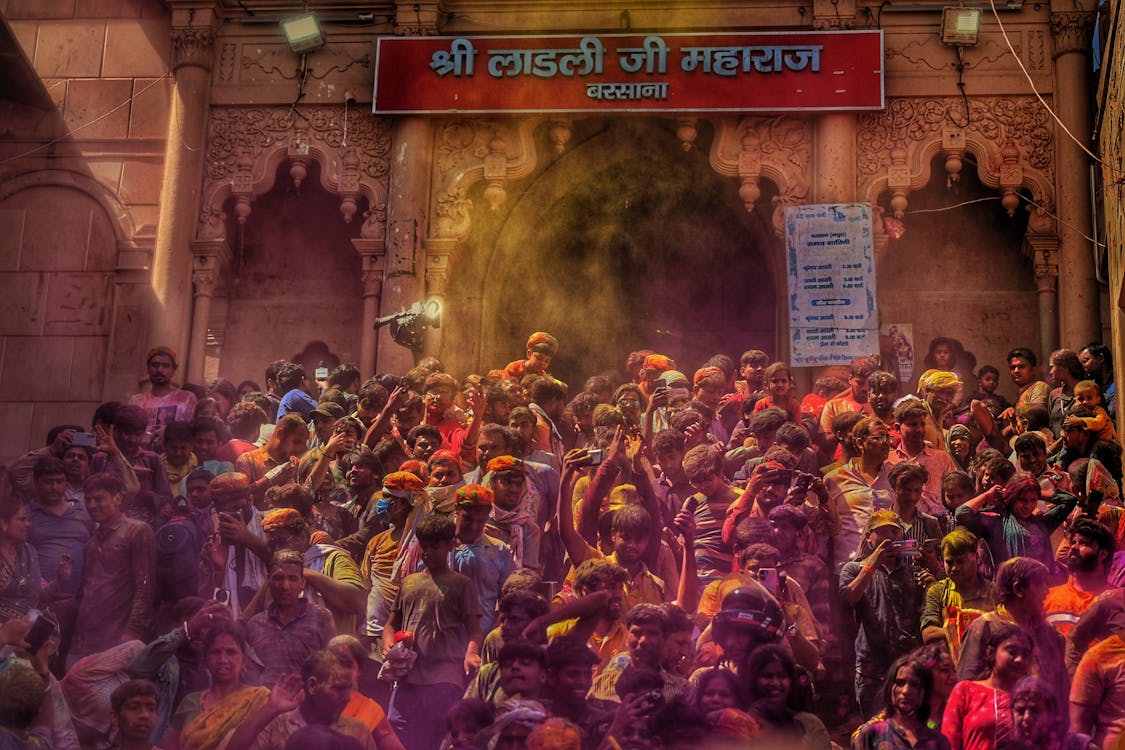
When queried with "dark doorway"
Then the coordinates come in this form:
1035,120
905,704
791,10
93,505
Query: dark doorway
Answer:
633,244
296,277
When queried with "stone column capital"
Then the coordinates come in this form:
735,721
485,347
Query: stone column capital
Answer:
193,35
1073,31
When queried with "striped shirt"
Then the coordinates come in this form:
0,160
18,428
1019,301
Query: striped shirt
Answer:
713,558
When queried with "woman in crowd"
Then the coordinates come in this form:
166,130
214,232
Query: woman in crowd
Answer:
780,696
1040,723
903,723
19,564
978,715
205,718
1013,528
717,689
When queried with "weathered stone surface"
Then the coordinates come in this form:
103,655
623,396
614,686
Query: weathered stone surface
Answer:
40,8
108,8
140,182
78,304
36,368
21,303
11,238
136,48
87,100
70,49
87,369
148,114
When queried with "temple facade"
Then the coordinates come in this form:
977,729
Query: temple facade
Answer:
172,173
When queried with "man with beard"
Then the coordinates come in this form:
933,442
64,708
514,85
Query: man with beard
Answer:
164,402
1087,556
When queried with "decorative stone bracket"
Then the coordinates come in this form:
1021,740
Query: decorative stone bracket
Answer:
470,151
778,149
1009,139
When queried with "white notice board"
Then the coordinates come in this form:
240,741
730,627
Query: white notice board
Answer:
831,259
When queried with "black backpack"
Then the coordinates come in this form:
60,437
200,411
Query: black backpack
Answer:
179,543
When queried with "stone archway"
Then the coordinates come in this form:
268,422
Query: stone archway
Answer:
249,149
625,240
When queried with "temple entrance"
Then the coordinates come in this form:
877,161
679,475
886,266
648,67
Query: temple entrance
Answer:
623,242
295,289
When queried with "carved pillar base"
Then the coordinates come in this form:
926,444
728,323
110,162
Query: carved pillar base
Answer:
209,257
192,52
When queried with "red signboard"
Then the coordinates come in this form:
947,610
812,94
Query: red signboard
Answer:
750,72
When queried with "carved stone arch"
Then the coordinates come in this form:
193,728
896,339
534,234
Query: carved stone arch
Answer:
245,146
120,218
1009,138
775,148
472,150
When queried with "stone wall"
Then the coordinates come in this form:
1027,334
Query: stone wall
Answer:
79,191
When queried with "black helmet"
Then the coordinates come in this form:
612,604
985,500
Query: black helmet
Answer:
750,607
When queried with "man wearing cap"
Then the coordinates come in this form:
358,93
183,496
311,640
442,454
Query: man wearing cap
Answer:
541,349
513,519
324,418
238,554
164,402
332,579
392,554
881,588
486,561
651,369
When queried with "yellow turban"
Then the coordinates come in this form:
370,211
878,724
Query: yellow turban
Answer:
933,379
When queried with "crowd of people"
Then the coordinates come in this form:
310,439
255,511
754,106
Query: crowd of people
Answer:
503,561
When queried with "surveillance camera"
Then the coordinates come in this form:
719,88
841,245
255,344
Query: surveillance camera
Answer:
349,97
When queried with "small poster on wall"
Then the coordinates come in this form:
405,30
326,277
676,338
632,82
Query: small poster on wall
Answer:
830,255
896,347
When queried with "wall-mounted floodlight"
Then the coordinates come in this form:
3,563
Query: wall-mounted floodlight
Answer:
960,27
303,33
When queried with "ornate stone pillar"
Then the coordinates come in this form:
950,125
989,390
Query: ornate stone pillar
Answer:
209,257
372,253
407,200
1073,27
438,253
1044,252
193,40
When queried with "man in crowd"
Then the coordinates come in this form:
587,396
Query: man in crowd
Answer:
118,578
164,402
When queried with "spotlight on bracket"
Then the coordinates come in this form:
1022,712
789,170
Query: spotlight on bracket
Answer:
303,33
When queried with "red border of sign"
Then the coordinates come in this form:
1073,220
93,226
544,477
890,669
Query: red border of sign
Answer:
425,43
